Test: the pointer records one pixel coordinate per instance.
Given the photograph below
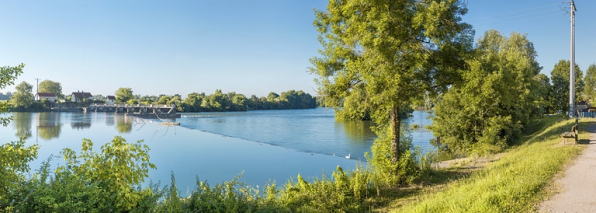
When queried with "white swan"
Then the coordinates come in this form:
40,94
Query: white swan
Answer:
349,156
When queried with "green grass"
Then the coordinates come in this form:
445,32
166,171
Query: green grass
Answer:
516,182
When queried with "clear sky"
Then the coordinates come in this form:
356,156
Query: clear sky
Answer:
250,47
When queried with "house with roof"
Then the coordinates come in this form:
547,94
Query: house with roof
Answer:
582,106
110,100
50,97
80,96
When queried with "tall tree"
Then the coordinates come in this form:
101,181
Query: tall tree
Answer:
238,102
22,98
395,50
498,96
193,100
123,95
52,87
272,96
7,77
560,88
544,92
590,85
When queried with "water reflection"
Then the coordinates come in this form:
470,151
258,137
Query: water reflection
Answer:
123,124
110,120
48,125
22,123
358,131
81,122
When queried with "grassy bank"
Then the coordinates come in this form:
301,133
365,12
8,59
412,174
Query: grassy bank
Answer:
515,182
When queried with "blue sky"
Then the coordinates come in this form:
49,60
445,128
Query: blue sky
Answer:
250,47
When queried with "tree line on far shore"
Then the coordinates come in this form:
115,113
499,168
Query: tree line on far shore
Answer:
22,100
223,102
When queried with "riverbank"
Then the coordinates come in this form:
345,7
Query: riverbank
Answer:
515,181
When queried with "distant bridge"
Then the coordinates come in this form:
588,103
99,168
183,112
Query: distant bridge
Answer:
138,110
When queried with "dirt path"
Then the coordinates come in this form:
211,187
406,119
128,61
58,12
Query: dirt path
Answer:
578,186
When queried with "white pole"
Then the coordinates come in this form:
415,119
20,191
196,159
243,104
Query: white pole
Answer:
572,64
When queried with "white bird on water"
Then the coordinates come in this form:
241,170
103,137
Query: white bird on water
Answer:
348,157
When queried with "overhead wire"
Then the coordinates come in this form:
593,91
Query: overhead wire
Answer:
517,11
518,15
521,15
531,18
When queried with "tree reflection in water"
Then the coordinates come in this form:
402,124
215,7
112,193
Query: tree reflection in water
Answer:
22,122
123,124
48,125
358,130
83,121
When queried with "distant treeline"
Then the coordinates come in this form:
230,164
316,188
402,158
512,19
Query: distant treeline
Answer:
232,101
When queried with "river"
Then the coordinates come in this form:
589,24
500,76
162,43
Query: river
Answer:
263,145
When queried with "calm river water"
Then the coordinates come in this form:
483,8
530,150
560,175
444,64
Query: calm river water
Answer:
264,145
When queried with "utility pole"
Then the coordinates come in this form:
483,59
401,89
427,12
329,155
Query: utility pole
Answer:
37,87
572,64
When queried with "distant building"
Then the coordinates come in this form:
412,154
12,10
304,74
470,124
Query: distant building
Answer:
51,97
582,106
80,96
110,100
5,96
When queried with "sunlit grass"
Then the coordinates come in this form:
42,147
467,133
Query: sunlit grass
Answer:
515,182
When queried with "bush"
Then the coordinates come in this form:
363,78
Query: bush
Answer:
14,159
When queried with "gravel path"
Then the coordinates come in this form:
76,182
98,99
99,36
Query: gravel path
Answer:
578,186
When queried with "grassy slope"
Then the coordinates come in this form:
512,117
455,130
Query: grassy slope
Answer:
514,183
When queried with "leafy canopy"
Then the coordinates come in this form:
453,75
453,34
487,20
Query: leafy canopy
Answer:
116,169
498,97
560,88
388,53
123,95
51,87
590,85
7,77
22,98
14,156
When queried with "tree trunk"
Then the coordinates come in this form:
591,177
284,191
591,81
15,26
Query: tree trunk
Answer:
395,128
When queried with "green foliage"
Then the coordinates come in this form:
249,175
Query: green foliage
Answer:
385,171
66,191
22,98
220,102
344,192
116,170
58,192
231,196
14,156
590,85
497,98
379,56
560,86
516,182
14,162
123,95
22,123
543,91
355,107
7,77
51,87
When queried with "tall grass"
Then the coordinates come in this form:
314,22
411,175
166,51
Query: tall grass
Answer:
513,183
